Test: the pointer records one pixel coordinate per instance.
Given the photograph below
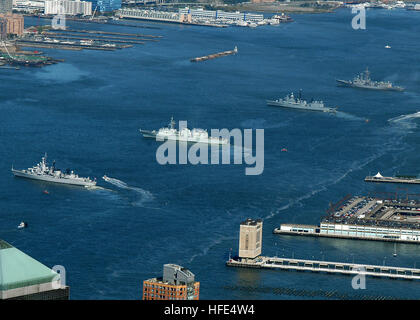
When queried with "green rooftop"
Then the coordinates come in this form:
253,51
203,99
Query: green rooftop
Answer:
17,269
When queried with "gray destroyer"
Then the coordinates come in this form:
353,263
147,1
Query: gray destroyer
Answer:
290,101
364,81
50,174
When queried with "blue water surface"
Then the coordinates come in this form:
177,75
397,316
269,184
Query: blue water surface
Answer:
86,112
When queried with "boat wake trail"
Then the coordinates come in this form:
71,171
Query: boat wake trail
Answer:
145,196
405,120
206,249
96,188
263,124
348,116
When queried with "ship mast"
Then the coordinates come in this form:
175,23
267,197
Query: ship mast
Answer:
367,74
172,123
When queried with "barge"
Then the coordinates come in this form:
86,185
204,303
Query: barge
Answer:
215,55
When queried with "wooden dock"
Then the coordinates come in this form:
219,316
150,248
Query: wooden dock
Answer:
328,267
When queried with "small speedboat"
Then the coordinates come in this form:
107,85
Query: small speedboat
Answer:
22,225
387,47
45,192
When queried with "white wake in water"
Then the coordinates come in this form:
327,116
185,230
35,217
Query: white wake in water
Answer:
405,120
348,116
145,196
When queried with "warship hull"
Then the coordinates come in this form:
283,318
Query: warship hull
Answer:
296,106
348,84
68,181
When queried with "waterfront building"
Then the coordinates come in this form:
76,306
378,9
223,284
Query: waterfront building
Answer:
152,15
250,239
202,14
187,15
29,6
6,6
14,23
366,218
24,278
106,5
68,7
177,283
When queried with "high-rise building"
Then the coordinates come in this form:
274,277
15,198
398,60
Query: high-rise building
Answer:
24,278
250,238
69,7
177,283
14,23
106,5
6,6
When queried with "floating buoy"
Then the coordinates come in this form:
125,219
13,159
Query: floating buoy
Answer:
367,120
45,192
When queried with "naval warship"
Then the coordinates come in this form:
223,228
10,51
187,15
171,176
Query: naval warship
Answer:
290,101
184,135
364,81
50,174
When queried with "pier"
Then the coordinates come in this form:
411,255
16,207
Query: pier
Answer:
365,218
215,55
329,267
296,230
397,179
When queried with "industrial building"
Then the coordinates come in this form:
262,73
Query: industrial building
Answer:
24,278
177,283
250,238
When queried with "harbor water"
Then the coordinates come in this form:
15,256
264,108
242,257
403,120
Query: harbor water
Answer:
86,112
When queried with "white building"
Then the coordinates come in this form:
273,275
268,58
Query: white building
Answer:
68,7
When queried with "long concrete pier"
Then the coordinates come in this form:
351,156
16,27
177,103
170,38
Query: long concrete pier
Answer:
392,180
328,267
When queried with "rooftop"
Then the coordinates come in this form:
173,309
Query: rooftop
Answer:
251,222
379,212
18,270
